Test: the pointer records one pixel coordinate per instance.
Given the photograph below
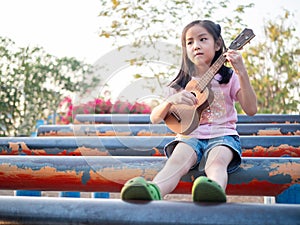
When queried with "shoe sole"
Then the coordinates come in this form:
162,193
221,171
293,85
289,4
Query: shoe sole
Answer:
207,190
136,192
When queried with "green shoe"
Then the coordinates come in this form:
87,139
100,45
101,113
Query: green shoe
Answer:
140,189
207,190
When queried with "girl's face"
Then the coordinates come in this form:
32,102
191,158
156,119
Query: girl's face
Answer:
200,47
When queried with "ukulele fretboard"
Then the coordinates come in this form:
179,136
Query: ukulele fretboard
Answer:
210,73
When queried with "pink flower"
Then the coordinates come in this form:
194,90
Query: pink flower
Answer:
98,106
98,101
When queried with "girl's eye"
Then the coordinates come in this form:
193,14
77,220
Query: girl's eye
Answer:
203,39
189,43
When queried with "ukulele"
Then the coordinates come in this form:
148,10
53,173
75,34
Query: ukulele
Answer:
182,118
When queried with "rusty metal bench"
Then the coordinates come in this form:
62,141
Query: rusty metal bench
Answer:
258,176
108,153
253,146
156,130
270,162
145,118
18,210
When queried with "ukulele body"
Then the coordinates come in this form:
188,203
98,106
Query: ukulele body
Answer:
182,118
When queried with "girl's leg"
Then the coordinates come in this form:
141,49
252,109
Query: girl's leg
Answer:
179,163
216,164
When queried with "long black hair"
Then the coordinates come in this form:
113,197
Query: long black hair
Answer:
187,67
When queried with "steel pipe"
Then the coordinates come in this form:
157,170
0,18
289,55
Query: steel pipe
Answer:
256,176
259,146
145,118
156,130
33,210
113,118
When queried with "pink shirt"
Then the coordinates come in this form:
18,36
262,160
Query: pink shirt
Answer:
220,117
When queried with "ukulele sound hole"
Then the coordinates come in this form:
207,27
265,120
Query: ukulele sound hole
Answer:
177,117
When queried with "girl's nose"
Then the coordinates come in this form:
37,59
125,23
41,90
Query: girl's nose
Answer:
196,45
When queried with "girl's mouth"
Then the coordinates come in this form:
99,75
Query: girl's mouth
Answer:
198,54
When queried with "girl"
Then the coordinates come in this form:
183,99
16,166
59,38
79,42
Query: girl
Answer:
214,146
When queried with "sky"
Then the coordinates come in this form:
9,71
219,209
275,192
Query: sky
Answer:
69,27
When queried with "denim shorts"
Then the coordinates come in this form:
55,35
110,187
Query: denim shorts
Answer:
203,146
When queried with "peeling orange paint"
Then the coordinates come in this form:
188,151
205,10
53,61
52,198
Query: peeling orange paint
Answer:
36,152
270,132
56,133
16,148
256,188
117,176
149,133
286,169
21,146
88,130
113,133
46,177
157,152
91,152
112,180
246,166
272,151
64,153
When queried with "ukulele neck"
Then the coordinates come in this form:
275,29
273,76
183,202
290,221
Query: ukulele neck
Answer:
211,72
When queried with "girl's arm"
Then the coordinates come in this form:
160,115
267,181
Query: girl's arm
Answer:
246,95
159,113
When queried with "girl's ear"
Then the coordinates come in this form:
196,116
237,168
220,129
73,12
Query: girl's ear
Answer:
218,44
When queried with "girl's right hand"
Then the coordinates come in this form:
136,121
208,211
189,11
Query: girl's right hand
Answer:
183,97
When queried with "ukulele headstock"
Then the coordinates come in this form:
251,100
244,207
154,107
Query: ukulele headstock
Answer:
242,39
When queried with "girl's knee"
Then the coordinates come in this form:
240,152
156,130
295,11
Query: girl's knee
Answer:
219,158
216,165
183,158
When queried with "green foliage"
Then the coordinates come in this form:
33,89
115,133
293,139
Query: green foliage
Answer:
147,21
141,23
32,85
273,65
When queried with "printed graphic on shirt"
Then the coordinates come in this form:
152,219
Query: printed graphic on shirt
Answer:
216,110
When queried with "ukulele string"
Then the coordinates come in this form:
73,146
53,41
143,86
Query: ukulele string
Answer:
209,75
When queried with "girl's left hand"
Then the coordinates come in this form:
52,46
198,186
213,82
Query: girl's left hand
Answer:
236,60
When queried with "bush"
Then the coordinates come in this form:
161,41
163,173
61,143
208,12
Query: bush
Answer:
67,111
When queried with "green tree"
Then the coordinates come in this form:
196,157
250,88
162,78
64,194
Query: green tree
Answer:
145,21
273,65
32,85
144,24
